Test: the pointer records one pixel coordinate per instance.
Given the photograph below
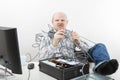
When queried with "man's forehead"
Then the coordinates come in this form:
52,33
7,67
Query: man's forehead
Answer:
59,15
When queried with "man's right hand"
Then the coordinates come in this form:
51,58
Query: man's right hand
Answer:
57,37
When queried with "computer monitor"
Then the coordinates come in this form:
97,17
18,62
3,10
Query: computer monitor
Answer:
9,50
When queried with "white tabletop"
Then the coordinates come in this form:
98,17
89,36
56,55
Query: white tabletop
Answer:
35,74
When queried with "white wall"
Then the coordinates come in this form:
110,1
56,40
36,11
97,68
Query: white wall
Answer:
97,20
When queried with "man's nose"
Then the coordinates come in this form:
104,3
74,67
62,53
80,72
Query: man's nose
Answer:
60,21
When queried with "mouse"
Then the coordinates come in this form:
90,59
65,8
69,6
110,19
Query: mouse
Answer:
30,65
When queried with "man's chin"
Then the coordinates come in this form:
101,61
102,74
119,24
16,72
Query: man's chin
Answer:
61,28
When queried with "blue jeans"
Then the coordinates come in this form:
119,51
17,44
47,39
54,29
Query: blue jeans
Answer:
99,53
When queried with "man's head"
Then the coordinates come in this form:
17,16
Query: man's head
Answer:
59,20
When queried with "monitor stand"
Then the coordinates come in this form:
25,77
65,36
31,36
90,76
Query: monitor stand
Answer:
5,73
4,68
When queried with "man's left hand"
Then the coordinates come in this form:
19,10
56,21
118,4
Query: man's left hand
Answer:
75,37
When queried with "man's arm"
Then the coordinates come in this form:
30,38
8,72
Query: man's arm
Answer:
46,49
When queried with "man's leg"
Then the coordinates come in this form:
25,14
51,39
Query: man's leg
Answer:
103,64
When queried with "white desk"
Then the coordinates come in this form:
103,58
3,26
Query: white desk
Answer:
35,74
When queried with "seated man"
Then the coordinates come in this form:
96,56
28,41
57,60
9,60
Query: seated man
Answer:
61,40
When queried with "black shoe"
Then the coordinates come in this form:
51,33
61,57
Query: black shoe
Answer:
107,67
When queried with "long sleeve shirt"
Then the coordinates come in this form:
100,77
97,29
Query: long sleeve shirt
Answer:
65,47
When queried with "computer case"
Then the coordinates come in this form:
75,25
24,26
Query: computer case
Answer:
66,73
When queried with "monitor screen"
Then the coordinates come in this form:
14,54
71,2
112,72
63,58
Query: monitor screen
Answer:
9,49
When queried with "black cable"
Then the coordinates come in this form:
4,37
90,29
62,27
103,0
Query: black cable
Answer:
30,67
28,74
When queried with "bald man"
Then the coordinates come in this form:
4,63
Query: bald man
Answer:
59,21
63,41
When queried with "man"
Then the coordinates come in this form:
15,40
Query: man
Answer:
63,41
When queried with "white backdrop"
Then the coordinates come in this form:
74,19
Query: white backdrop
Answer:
97,20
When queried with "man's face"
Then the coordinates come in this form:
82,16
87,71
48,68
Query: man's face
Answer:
59,21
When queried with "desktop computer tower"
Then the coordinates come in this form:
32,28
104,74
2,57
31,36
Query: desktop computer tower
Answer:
63,74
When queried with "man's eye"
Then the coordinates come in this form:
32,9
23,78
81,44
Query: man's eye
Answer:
56,20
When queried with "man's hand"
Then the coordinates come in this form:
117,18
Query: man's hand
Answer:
57,37
75,37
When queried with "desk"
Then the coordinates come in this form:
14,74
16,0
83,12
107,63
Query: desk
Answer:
35,74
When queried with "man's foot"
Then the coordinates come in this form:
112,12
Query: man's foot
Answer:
107,67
